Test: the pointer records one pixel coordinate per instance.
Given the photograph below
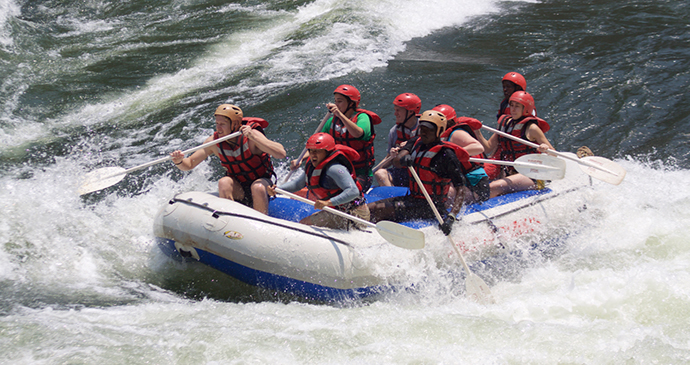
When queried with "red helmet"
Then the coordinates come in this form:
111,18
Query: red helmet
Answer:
350,91
447,110
517,79
321,141
408,101
525,99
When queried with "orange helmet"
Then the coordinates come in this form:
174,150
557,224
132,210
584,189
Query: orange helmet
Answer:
350,92
525,99
516,79
434,117
321,141
232,112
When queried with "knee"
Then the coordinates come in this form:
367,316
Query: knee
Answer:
259,188
226,184
382,177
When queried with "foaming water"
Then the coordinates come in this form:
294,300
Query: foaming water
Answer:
619,287
89,84
8,9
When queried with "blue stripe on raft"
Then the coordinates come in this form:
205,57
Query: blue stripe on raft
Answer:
272,281
293,210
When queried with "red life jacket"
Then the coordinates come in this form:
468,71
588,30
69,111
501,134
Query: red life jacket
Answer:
401,136
468,125
239,161
508,150
364,148
342,155
436,186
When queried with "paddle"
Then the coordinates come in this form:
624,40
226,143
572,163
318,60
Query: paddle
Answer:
397,234
475,287
535,166
597,167
377,167
304,150
109,176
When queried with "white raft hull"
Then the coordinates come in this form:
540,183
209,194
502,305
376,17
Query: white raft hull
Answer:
325,264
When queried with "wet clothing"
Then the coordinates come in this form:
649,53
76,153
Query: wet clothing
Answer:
509,150
397,135
364,145
441,162
239,161
337,177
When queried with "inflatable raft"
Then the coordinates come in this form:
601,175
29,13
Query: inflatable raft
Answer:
276,252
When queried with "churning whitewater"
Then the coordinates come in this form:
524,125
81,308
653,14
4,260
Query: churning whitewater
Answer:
92,84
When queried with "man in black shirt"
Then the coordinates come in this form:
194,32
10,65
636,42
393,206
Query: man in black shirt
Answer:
439,165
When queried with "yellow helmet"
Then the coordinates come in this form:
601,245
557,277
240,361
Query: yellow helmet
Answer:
232,112
434,117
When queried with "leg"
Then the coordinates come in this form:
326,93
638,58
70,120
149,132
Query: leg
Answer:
382,210
259,195
325,219
229,188
383,177
511,184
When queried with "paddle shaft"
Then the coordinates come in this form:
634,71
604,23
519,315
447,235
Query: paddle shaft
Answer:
377,167
304,150
514,163
194,149
164,159
438,216
328,209
559,154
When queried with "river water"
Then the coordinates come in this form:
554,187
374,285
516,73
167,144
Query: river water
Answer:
90,83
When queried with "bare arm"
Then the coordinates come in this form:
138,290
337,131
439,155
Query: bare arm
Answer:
490,145
258,143
464,140
186,164
459,199
535,134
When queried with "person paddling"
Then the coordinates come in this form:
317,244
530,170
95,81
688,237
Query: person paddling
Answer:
353,127
246,158
520,123
440,165
406,108
330,178
460,131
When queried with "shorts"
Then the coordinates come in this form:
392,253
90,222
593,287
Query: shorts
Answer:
481,191
492,170
399,177
248,199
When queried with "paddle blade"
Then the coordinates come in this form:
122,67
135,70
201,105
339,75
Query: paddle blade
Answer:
101,179
541,167
477,290
614,174
401,236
